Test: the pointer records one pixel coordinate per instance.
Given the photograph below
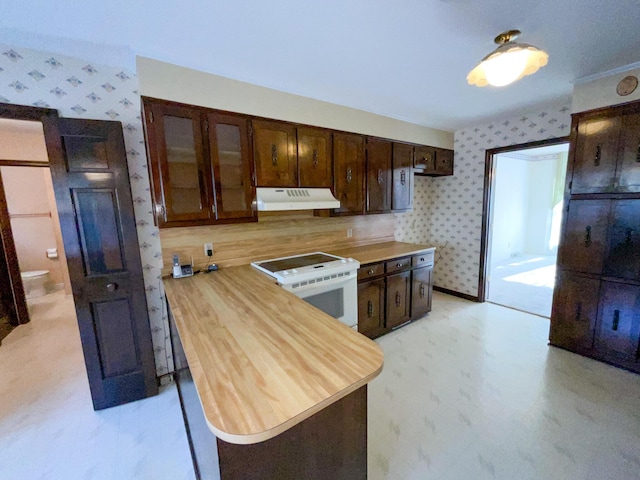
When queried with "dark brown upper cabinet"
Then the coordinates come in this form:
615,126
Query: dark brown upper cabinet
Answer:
276,158
607,154
348,170
378,175
200,162
432,161
402,190
315,168
230,150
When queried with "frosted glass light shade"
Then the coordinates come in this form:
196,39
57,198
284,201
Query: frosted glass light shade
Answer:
506,64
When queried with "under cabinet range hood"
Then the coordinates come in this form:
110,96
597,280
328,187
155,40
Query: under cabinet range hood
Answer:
278,199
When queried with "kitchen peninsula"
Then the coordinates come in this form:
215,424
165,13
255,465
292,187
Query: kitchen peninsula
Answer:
282,385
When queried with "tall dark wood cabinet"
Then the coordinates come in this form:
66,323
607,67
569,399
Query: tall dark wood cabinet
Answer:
348,172
596,303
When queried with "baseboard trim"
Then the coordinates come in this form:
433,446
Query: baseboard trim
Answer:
457,294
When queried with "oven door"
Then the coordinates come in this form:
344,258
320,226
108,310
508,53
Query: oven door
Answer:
336,297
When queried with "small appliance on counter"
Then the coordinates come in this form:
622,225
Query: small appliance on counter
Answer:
180,271
325,281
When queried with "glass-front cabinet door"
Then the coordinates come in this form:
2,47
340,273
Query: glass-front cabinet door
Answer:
232,167
181,178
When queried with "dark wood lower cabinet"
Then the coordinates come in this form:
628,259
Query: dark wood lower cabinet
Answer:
394,292
398,303
371,303
618,334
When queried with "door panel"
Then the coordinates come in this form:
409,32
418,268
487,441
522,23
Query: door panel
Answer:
100,240
629,161
274,149
398,291
314,158
575,307
421,288
623,256
378,175
371,308
619,323
585,237
595,158
402,195
348,172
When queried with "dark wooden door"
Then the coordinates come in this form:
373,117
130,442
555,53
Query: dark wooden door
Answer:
378,175
584,243
232,165
93,196
618,334
623,255
596,152
348,172
629,155
315,168
371,308
398,298
444,162
274,150
574,312
421,291
181,176
425,159
402,164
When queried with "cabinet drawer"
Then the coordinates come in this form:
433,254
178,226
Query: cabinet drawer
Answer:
398,265
369,271
422,259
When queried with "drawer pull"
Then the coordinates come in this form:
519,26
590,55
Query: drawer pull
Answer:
422,259
371,271
399,265
112,287
616,320
422,290
596,159
587,236
274,155
380,176
369,308
398,299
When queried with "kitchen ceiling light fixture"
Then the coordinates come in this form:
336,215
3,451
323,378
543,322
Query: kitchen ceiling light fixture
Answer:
509,62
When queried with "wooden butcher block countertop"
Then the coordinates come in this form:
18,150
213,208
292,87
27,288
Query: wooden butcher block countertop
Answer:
379,252
262,359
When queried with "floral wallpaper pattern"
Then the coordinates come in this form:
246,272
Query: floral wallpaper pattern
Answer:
79,89
447,211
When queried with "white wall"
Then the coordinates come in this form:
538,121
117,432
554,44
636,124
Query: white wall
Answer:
539,206
510,205
601,92
171,82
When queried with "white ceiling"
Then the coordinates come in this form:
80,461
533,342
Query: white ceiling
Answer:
406,59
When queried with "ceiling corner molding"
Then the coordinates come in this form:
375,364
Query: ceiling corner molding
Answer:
608,73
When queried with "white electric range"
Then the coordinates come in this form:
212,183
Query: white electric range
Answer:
325,281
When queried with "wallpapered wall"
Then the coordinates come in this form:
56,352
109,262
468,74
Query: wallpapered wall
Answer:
79,89
448,211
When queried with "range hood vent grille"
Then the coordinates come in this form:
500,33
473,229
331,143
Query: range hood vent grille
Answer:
279,199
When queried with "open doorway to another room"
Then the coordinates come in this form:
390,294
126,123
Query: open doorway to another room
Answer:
30,217
523,214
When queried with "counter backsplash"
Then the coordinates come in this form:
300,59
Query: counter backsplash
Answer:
275,234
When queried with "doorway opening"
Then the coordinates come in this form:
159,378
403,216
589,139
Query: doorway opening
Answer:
29,219
524,189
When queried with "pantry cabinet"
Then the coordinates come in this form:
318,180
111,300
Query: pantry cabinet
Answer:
394,292
596,303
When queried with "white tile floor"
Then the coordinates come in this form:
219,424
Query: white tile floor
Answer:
470,392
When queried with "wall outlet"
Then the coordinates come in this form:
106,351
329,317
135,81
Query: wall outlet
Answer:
208,247
349,232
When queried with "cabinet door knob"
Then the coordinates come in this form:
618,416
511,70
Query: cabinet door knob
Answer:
398,299
403,177
596,159
380,176
422,290
399,265
274,155
315,158
349,176
616,320
112,287
587,236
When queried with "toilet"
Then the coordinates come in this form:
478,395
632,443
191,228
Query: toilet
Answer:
36,283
